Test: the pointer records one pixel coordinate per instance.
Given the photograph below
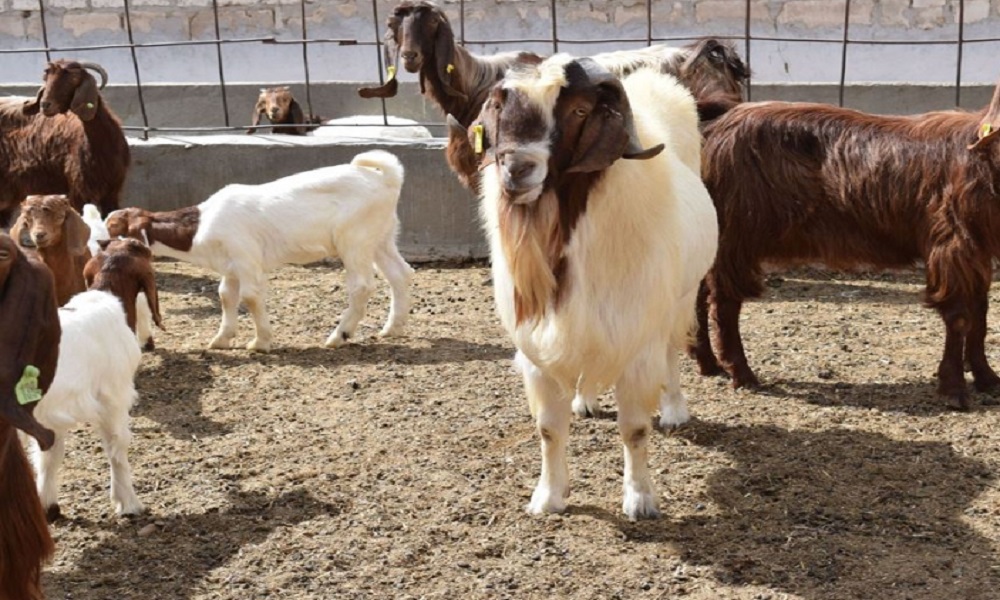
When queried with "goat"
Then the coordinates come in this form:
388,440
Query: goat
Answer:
98,358
596,259
279,106
25,542
797,182
124,268
29,336
74,147
245,231
49,226
459,81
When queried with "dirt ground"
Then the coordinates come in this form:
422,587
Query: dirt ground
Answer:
400,468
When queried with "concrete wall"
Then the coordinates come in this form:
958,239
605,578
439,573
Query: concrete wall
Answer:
439,218
75,23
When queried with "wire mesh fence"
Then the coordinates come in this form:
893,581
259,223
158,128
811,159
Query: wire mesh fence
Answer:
555,41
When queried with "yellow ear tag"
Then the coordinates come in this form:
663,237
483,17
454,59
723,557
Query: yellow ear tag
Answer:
391,69
478,131
450,68
985,130
90,105
26,388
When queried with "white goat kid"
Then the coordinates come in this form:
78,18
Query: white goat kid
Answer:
596,260
245,231
94,383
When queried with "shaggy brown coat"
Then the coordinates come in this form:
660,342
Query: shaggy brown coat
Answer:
801,183
74,147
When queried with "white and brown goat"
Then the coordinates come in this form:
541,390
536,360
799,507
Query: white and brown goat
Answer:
598,246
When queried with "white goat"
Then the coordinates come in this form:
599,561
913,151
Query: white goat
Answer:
371,126
596,260
94,383
245,231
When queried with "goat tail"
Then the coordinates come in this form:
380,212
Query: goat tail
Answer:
25,542
384,162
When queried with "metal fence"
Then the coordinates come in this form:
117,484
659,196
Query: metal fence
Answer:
844,41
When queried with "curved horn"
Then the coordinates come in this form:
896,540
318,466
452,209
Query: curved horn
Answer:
96,67
598,75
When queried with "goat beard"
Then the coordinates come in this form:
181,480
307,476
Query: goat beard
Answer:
531,243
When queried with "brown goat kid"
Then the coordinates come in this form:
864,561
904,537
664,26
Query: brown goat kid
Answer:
124,268
74,147
278,106
796,183
50,227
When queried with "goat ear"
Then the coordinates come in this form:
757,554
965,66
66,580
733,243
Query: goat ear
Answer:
608,134
444,57
19,232
391,85
989,128
148,285
85,99
138,228
77,232
31,107
296,116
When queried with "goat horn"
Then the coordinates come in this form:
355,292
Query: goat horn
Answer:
96,67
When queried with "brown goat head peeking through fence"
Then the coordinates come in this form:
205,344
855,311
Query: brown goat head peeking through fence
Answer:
800,183
278,106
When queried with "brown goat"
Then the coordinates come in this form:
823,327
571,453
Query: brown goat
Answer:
49,226
124,268
279,107
74,147
459,81
29,333
25,542
796,182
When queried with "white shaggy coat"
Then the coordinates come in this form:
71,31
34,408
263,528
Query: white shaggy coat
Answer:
247,231
634,262
94,383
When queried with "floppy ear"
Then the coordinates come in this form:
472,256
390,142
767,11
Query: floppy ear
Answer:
258,110
77,232
391,85
296,116
85,99
608,134
138,228
444,56
20,233
148,285
31,107
989,128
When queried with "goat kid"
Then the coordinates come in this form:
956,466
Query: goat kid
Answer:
49,226
124,268
243,232
802,183
596,259
277,105
98,359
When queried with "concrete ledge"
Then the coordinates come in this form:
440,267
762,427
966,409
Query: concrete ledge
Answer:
439,217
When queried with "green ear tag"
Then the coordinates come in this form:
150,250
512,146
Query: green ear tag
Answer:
985,130
26,389
478,131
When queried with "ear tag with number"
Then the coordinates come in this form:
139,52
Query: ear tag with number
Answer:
26,389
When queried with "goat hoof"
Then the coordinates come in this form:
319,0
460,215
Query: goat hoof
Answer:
220,343
259,346
748,381
132,511
53,514
337,339
987,383
149,346
640,505
959,401
545,502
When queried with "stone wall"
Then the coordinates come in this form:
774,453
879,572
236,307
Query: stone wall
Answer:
75,23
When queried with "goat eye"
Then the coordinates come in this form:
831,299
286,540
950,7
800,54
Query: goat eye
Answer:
580,112
4,254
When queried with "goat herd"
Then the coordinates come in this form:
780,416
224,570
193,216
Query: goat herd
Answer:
627,197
